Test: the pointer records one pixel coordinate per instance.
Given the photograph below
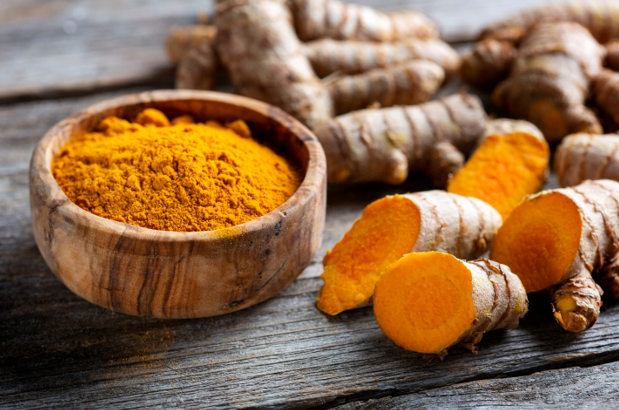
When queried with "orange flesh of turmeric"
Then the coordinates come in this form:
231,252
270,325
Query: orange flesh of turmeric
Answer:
540,240
503,170
387,229
424,301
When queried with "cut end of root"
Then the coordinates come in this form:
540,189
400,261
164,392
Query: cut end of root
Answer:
540,240
503,170
423,302
387,230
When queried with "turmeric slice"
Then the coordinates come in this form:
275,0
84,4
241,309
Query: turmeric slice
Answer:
503,170
393,226
557,239
427,302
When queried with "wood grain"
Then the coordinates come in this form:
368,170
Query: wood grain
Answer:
591,387
161,274
65,47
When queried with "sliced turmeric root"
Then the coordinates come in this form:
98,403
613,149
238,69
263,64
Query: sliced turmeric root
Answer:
557,239
393,226
503,170
427,302
540,240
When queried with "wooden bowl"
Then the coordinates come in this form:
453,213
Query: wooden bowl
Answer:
163,274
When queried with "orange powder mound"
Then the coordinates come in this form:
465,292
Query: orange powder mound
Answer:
179,177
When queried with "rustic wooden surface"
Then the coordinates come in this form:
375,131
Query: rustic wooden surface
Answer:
59,351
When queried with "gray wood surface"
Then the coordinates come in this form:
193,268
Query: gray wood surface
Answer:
591,388
59,351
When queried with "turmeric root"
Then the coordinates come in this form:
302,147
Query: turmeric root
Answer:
555,240
315,19
612,54
257,44
412,82
386,144
606,89
192,48
599,17
329,56
503,170
488,63
393,226
428,302
550,77
586,156
182,39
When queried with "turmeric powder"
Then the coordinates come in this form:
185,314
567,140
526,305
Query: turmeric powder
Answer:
178,177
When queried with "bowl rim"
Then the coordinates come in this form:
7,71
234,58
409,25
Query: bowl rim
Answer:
314,179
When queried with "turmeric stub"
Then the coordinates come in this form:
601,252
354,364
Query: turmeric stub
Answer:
393,226
555,240
427,302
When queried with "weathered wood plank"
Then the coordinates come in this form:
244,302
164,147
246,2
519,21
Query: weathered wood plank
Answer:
61,46
58,351
594,387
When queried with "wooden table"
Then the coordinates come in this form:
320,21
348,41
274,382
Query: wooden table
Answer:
59,351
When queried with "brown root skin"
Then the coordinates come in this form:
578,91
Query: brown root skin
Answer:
581,157
576,303
504,170
182,39
263,56
609,279
599,17
445,161
393,226
612,54
488,63
409,83
549,80
197,69
606,90
352,57
384,145
193,49
428,302
557,239
343,21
